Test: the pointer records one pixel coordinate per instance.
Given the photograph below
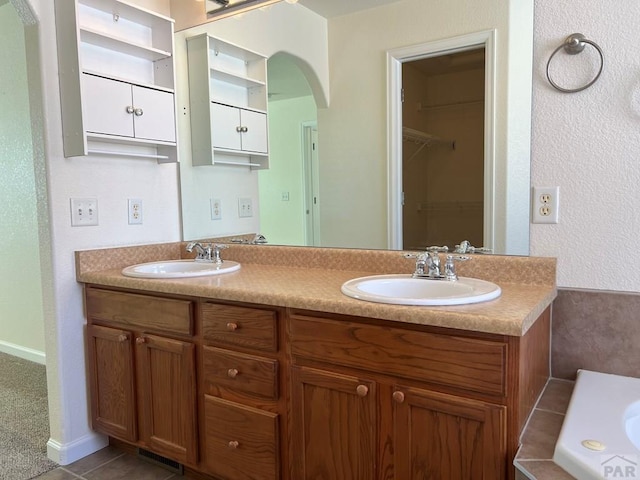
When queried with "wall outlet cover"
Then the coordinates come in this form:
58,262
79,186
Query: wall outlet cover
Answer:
135,211
84,212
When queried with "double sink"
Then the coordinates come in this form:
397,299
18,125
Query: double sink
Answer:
401,289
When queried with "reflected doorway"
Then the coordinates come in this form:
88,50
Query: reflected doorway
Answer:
443,148
288,196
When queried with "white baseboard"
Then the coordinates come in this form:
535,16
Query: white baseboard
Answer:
64,454
23,352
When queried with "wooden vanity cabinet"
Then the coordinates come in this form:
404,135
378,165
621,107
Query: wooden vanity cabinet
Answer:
142,371
254,392
375,401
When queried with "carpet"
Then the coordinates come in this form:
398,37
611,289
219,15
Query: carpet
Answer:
24,419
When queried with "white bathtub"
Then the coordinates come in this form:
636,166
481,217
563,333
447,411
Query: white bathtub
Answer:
600,436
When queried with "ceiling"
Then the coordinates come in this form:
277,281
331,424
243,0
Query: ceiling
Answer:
334,8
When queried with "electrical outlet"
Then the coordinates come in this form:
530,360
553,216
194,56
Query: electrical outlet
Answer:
84,212
245,207
135,211
545,204
216,209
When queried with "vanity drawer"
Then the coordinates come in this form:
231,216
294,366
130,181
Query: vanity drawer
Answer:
240,442
252,328
239,372
461,362
140,311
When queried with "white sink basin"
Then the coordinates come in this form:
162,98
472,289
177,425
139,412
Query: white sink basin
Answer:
405,290
179,269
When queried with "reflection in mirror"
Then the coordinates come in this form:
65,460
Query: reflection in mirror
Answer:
345,68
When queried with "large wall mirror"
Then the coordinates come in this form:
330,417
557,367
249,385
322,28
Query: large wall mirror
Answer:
331,138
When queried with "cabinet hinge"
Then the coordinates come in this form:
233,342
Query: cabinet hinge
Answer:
402,95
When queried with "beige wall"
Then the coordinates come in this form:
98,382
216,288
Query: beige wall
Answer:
21,314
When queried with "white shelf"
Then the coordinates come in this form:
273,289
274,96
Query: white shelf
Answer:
110,42
237,164
112,53
235,79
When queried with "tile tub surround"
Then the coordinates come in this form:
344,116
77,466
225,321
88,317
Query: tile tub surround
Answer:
310,278
534,459
595,330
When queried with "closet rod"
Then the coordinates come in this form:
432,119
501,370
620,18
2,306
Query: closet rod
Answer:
423,105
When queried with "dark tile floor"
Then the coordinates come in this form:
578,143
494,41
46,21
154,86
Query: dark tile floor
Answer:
109,464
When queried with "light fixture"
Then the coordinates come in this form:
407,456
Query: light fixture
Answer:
223,8
291,1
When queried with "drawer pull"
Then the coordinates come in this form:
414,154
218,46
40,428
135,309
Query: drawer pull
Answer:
141,340
232,373
123,337
398,396
232,327
234,444
362,390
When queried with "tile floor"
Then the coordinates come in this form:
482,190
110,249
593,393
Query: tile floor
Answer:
541,433
109,464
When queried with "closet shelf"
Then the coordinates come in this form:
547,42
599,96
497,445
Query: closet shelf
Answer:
423,140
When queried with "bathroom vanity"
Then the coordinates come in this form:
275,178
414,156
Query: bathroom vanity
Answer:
271,373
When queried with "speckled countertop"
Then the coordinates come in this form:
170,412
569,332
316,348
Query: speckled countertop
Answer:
310,278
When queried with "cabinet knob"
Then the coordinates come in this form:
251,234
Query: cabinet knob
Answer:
239,129
398,396
245,129
130,109
138,112
232,327
232,373
123,337
233,444
141,340
362,390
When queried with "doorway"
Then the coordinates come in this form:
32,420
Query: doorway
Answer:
443,149
484,41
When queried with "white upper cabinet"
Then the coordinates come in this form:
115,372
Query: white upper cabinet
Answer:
116,79
228,104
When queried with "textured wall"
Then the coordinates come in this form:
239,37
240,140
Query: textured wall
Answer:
21,318
588,144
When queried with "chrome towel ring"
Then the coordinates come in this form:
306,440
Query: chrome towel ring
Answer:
573,45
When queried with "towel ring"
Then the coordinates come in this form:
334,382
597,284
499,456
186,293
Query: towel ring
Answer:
573,45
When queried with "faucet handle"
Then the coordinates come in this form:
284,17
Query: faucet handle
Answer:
450,266
215,252
436,248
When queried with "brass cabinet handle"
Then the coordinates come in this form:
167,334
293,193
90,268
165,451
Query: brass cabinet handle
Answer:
233,444
232,373
362,390
141,340
232,327
123,337
398,396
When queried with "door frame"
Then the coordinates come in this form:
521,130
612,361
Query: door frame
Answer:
311,184
395,59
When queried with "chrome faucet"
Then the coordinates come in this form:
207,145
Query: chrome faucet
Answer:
207,253
466,247
428,264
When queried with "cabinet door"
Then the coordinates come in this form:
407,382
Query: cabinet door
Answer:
111,382
154,115
167,396
104,106
254,131
334,425
439,436
225,127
